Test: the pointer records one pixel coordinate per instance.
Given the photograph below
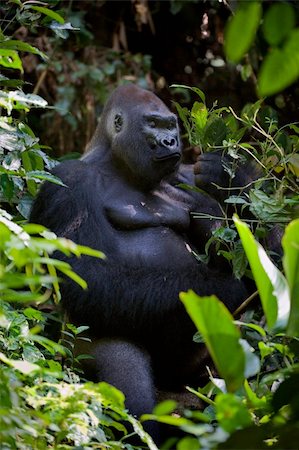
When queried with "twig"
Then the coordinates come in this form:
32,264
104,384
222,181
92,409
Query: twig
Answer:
245,304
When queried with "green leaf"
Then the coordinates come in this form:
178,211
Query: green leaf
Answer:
188,443
198,91
231,412
253,326
24,367
166,407
215,132
199,113
45,176
252,361
278,70
48,12
22,46
254,400
112,394
271,284
10,59
278,21
222,340
241,30
74,276
290,243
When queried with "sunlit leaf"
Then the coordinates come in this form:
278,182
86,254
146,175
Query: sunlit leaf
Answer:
221,336
21,46
271,284
290,243
241,30
48,12
198,91
10,59
231,412
252,361
278,21
199,113
279,69
45,176
166,407
22,366
215,132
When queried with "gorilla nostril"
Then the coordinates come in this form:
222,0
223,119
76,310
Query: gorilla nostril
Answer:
168,142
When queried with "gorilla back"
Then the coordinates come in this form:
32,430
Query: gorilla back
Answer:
124,198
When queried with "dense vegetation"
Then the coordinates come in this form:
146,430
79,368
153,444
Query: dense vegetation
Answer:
253,401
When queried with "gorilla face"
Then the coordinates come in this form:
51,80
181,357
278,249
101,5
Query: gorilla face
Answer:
144,136
161,133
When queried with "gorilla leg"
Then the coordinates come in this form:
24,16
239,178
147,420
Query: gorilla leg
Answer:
127,367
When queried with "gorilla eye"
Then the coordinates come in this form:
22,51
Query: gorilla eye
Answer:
118,122
152,124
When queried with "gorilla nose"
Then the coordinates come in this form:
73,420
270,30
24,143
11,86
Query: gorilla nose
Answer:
168,142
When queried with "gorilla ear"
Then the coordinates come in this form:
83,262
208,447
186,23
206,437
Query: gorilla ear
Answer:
118,122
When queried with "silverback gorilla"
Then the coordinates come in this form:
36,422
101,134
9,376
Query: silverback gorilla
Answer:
125,198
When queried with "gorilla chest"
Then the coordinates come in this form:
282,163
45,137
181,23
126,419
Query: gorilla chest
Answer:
160,208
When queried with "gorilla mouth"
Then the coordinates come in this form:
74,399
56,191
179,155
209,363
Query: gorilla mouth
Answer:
162,153
166,157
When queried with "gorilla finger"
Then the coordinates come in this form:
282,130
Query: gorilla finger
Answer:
203,180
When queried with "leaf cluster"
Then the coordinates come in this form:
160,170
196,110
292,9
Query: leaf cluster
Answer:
44,403
276,27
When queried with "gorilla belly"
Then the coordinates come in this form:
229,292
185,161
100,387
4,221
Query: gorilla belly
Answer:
153,247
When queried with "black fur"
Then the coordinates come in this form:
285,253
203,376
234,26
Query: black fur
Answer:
124,198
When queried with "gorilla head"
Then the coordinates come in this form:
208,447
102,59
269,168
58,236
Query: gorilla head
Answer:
142,134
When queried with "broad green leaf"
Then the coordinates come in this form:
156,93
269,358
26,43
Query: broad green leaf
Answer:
280,288
188,443
21,46
253,326
278,21
291,45
198,91
254,400
199,113
252,361
215,132
265,350
279,69
48,12
111,393
24,367
221,336
45,176
290,243
271,283
165,407
10,59
241,30
231,412
28,99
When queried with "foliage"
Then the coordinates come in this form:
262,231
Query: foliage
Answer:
273,198
280,64
74,75
253,400
256,362
252,404
44,403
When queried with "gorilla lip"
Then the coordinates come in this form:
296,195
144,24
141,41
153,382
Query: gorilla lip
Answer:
174,156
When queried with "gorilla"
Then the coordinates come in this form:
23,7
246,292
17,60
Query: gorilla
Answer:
127,197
